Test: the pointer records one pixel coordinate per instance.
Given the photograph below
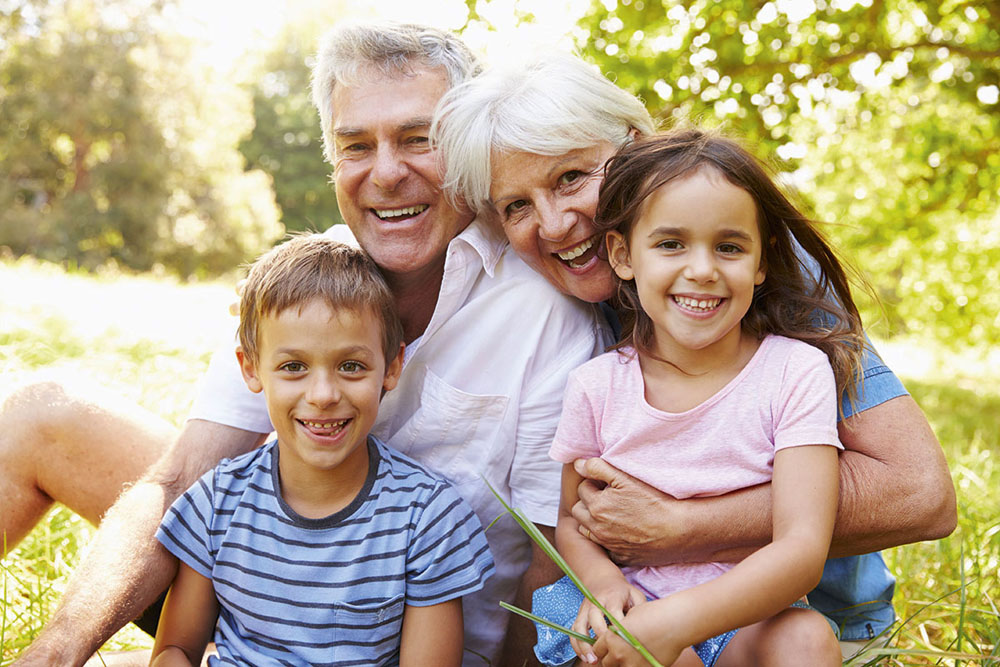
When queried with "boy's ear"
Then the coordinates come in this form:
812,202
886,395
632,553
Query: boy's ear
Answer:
618,255
393,370
249,370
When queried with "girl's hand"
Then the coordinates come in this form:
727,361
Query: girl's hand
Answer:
618,597
654,626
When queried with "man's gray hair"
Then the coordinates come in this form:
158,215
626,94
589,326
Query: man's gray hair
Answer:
549,105
353,52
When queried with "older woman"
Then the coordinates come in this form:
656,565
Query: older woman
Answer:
525,147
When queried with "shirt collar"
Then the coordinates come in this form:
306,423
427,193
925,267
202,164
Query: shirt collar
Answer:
488,242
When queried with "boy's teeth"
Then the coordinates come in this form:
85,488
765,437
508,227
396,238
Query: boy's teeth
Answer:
397,212
697,304
573,253
325,425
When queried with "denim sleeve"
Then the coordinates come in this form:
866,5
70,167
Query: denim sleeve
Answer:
877,385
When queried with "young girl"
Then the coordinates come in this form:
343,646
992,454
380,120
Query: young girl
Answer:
739,335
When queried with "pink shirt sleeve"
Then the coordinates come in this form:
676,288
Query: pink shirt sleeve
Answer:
576,436
806,410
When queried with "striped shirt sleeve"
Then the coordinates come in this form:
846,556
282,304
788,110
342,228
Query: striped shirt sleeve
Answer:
448,556
185,529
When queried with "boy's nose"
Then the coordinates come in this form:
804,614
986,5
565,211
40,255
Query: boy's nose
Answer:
323,392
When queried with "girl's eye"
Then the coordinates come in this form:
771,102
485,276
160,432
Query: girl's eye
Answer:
670,244
352,367
730,249
293,367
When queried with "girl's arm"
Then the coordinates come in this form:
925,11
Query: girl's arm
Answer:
187,620
432,635
591,563
804,503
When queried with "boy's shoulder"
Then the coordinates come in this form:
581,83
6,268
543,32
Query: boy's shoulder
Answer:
399,466
239,470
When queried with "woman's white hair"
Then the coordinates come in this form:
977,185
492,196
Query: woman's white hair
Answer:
549,105
353,52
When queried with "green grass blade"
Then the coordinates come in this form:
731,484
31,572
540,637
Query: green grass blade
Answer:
536,535
546,622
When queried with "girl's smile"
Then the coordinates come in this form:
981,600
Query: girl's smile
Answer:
695,255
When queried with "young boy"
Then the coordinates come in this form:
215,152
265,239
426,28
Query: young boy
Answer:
325,546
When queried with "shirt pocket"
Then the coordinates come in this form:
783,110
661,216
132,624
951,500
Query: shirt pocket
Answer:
454,432
369,632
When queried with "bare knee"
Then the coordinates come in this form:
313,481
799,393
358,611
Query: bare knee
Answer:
797,637
31,413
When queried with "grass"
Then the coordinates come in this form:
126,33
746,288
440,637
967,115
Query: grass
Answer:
150,339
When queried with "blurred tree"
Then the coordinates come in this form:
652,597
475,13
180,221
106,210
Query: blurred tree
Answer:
111,148
286,141
883,113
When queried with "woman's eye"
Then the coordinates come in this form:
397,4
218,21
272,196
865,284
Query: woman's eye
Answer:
571,176
515,207
293,367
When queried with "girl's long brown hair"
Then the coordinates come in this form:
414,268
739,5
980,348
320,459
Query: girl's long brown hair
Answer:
811,304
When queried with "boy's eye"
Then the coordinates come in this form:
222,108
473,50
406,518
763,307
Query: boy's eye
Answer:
292,367
670,244
352,367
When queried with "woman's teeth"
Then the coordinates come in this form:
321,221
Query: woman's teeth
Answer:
698,304
576,251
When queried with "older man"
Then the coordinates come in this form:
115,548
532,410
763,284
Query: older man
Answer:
489,346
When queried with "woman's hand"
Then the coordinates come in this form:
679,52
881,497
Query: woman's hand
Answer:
618,597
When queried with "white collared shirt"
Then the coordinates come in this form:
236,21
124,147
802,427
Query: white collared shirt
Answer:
479,397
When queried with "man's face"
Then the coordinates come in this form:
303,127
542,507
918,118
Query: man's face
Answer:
388,185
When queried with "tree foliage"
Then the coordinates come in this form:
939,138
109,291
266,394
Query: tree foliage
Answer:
883,113
115,146
286,141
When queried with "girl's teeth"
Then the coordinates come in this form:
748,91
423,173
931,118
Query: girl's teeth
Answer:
697,304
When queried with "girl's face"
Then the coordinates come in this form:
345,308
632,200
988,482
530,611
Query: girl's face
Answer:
695,255
546,205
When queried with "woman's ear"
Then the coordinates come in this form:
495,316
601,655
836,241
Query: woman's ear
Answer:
618,255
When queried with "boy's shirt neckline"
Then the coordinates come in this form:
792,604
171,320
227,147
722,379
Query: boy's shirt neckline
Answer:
374,459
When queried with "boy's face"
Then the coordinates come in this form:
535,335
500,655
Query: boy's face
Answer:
322,372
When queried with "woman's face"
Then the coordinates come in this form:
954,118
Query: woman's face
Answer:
546,206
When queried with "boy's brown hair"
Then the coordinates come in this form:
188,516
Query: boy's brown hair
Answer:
313,266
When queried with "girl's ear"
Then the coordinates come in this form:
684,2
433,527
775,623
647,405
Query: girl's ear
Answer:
618,255
249,370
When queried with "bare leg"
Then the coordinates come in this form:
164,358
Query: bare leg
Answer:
791,638
71,444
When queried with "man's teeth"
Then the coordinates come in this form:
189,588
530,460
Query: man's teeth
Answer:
697,304
575,252
400,212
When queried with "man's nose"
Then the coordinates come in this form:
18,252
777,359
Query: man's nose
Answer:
389,169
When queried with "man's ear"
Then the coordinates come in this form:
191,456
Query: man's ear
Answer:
249,370
618,255
393,370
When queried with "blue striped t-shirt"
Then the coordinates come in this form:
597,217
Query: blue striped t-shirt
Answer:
328,591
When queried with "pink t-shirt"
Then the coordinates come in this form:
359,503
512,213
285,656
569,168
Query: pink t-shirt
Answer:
784,397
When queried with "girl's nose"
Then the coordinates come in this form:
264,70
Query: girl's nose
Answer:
701,267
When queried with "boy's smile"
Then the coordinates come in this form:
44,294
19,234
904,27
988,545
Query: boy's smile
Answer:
322,372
